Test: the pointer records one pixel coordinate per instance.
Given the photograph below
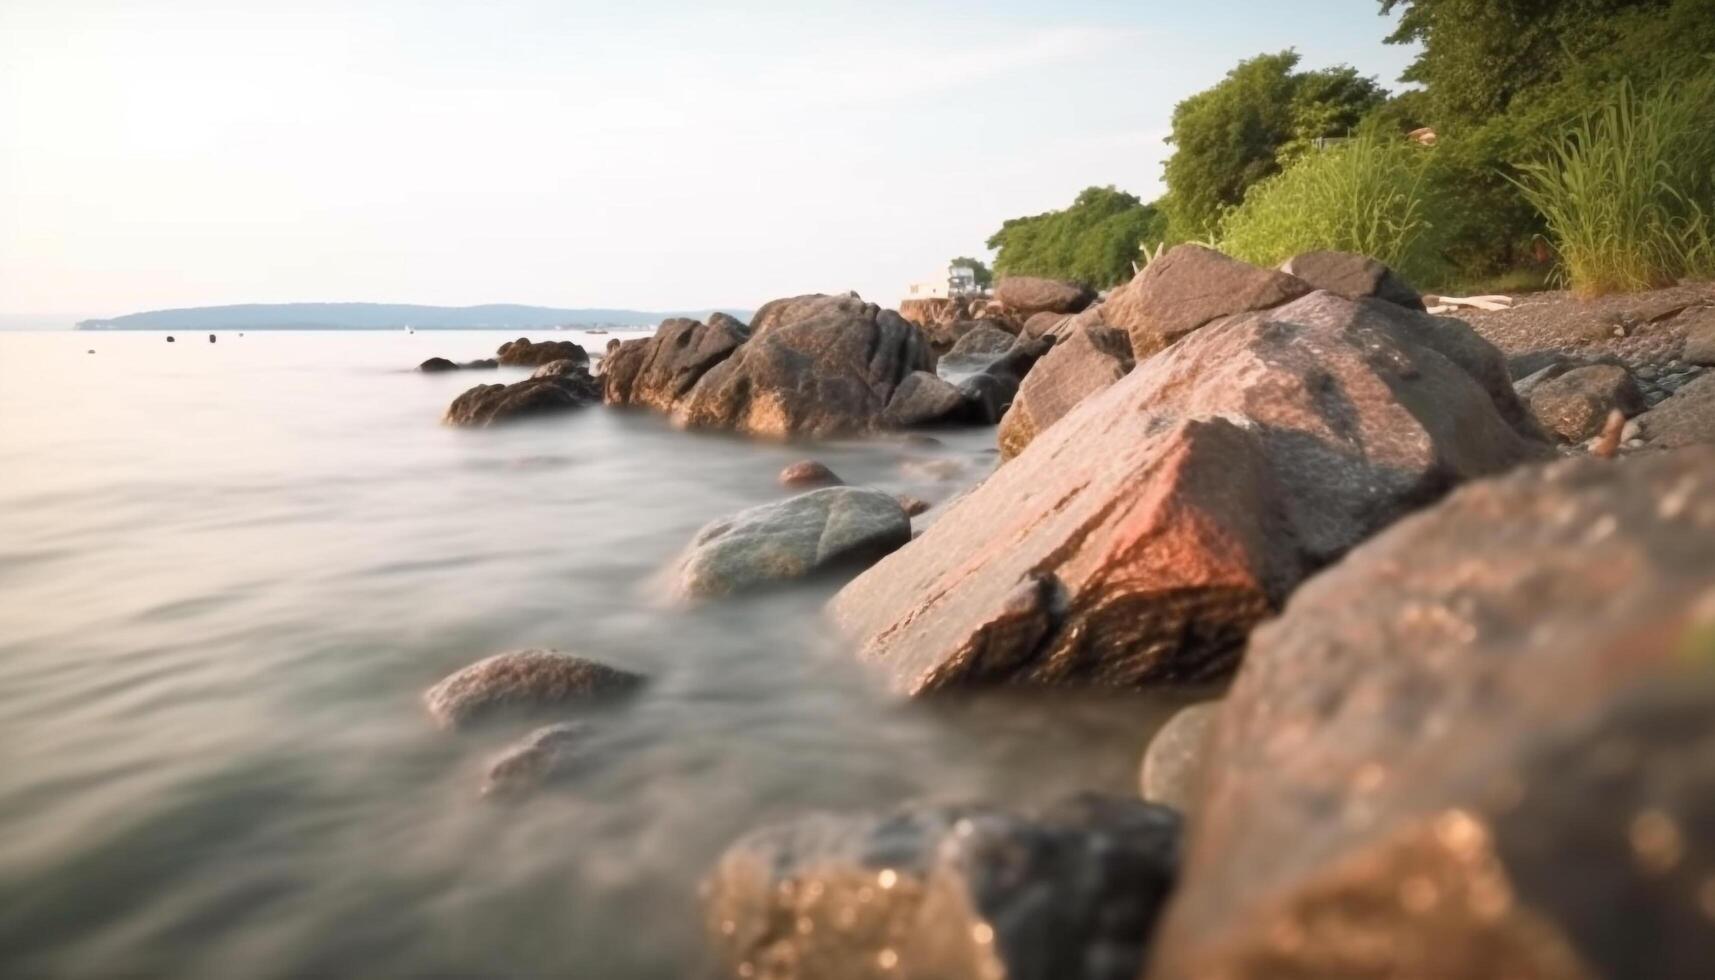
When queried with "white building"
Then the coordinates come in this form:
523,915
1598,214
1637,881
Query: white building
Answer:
960,280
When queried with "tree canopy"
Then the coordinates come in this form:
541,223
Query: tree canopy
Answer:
1096,240
1264,114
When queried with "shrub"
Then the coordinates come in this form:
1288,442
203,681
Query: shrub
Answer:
1368,195
1628,193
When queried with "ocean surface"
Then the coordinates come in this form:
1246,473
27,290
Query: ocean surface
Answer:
227,573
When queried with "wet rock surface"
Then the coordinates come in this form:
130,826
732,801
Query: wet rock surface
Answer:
1432,764
524,352
487,405
534,761
809,473
947,893
524,680
1173,764
821,531
1088,360
1188,287
1139,539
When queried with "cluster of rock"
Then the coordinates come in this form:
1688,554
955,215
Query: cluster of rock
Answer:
1476,739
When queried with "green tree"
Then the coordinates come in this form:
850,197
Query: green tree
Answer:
1257,119
985,278
1094,241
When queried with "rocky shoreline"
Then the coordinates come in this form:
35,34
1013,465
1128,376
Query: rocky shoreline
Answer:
1460,572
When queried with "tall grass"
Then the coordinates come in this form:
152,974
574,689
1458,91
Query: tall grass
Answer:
1369,195
1629,192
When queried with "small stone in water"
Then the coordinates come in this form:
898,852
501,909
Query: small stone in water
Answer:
534,760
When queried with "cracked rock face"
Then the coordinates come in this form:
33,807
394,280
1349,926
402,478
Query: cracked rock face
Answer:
947,893
1481,746
1139,539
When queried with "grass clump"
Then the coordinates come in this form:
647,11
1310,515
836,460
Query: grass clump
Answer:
1369,195
1628,193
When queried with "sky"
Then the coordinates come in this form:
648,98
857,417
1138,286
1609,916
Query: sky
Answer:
644,154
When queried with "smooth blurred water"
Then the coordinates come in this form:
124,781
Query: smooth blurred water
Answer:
228,571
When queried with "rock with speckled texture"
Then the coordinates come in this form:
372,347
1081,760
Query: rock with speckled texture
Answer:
1189,287
947,893
1138,540
1173,764
1575,405
815,532
1431,765
1687,418
524,680
533,761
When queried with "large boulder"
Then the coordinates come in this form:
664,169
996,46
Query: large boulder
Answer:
1686,419
817,532
1139,539
1472,749
655,372
524,353
925,398
1088,360
1352,276
1026,296
487,405
947,893
817,366
1188,287
524,680
984,343
1575,405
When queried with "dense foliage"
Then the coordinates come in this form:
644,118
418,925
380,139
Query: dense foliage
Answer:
1369,195
1095,240
1259,118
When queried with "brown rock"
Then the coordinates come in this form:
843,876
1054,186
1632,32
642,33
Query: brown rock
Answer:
1140,538
523,680
912,505
655,372
1353,276
1575,405
1043,324
1686,419
1189,287
1089,359
523,353
1026,296
808,473
532,761
436,365
816,366
984,342
1433,763
561,368
925,398
487,405
1700,340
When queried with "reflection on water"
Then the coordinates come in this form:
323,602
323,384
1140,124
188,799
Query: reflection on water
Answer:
227,572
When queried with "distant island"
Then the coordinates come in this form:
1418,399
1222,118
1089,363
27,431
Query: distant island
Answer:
385,316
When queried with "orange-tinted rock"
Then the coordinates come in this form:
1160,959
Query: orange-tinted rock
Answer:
1482,745
1026,296
1088,360
1352,276
1189,287
1139,539
655,372
809,473
525,353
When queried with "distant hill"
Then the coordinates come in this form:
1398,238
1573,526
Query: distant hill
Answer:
383,316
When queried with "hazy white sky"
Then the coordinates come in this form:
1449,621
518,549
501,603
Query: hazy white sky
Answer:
632,153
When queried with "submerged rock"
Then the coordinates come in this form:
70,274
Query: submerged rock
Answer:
1088,360
1188,287
809,473
1139,539
1026,296
820,531
536,759
1483,745
525,353
437,364
947,893
524,680
487,405
1173,764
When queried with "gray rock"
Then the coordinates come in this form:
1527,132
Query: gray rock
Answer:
536,759
1685,419
925,398
947,893
1354,277
524,680
984,342
1575,405
1173,763
435,365
821,531
1700,340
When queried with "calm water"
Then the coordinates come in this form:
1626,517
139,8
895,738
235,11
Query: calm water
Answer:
228,571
